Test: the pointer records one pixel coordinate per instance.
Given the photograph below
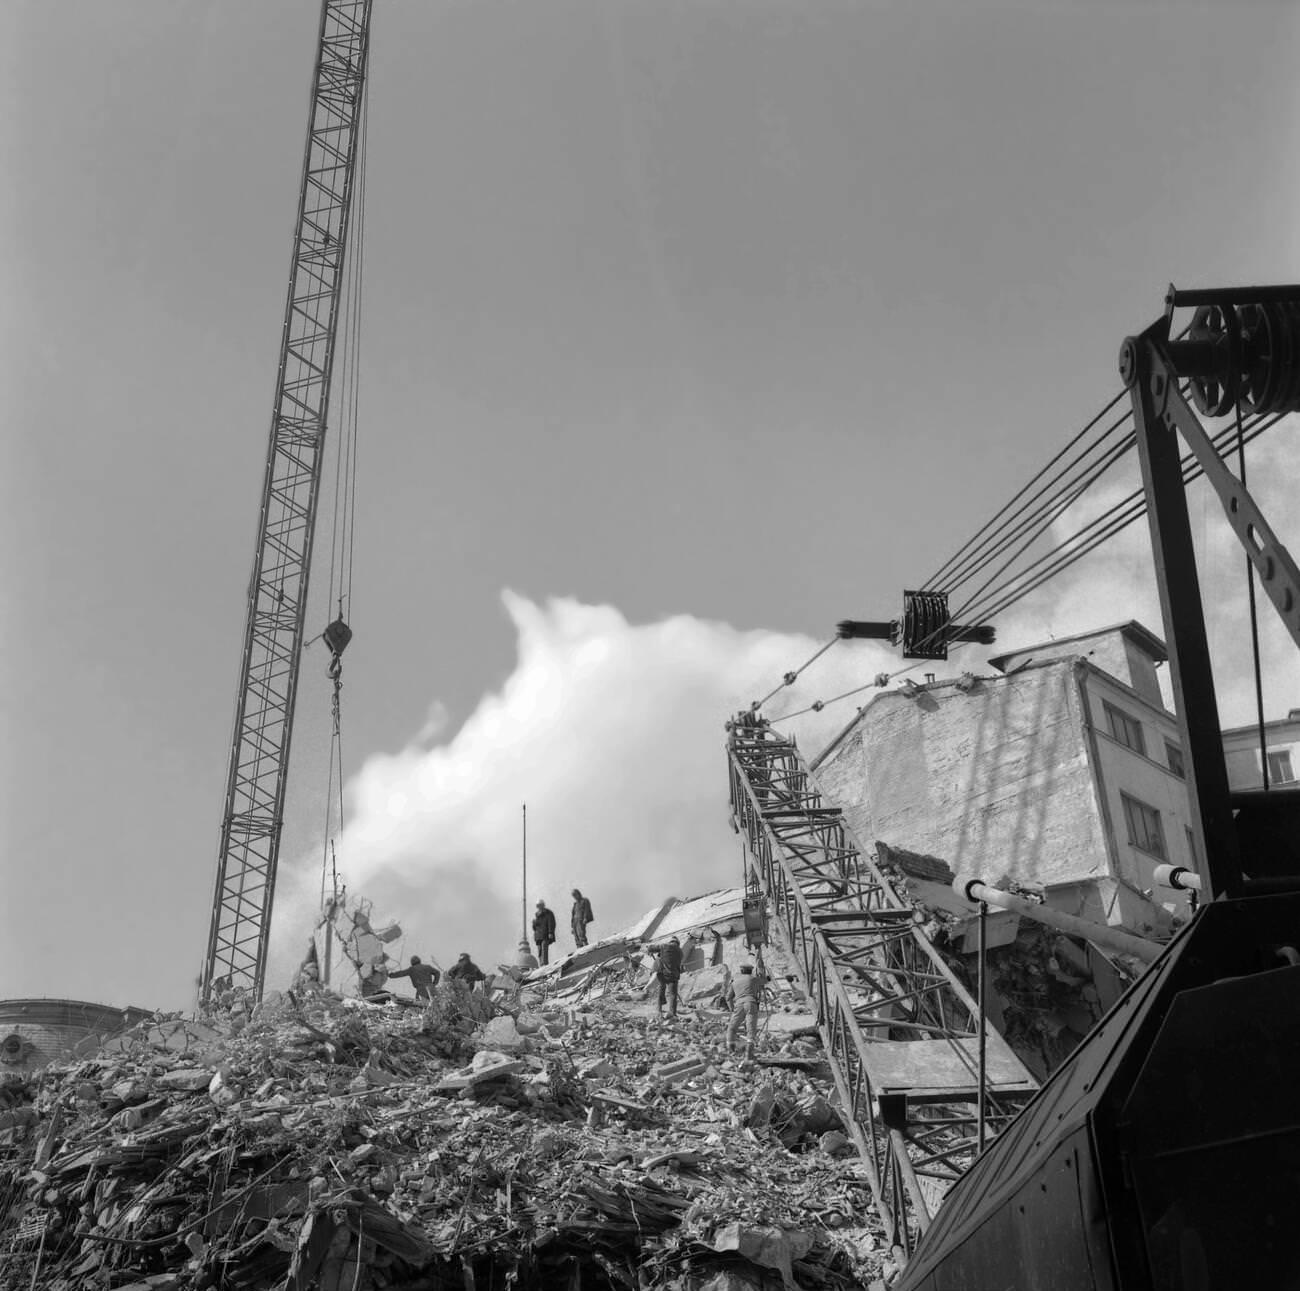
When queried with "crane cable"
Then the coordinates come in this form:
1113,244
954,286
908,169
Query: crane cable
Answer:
343,525
976,555
989,542
969,550
1095,532
1060,558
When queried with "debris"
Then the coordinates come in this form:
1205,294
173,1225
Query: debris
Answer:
323,1143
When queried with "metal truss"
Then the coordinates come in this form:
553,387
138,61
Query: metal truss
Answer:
277,593
900,1031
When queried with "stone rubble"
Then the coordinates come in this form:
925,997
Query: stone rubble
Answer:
540,1136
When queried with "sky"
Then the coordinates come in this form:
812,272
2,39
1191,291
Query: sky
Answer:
689,330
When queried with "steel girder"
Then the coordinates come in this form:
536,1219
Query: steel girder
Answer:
277,591
900,1031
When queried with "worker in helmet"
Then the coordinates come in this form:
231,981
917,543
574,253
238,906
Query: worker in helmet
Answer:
424,977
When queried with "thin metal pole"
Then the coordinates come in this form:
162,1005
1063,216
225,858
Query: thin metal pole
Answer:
523,907
983,1045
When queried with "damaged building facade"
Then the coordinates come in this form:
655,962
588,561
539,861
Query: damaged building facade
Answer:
36,1032
1062,771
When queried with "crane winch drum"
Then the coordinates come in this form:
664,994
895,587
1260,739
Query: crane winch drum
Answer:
1242,347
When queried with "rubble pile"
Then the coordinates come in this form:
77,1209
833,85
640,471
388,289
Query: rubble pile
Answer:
1047,990
314,1142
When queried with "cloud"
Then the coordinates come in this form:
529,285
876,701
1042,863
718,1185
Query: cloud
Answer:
613,735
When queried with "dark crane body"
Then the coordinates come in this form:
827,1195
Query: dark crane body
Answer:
1164,1154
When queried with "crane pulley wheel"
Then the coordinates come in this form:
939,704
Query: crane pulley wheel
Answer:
1216,393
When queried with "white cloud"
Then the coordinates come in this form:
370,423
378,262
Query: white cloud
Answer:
613,734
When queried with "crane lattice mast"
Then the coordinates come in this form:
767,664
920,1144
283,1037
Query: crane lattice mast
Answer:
277,593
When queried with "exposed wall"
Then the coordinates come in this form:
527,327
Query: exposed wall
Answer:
995,779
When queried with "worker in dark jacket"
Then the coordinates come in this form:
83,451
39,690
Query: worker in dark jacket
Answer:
543,931
580,918
668,972
424,977
466,970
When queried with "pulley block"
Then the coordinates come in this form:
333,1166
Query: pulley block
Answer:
337,636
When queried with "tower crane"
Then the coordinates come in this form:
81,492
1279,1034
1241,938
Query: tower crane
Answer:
253,818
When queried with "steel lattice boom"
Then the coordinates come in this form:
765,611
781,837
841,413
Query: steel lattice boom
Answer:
277,593
900,1031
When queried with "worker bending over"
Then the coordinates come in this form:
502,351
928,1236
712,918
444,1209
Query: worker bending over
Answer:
466,970
668,972
746,992
424,977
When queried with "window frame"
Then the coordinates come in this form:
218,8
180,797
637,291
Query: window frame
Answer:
1174,754
1284,758
1134,809
1117,719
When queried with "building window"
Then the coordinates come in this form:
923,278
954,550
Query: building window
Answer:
1279,767
1175,757
1127,730
1144,829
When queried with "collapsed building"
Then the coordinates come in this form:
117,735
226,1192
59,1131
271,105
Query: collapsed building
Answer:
545,1132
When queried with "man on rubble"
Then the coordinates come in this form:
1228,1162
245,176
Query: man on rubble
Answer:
580,918
746,992
466,970
668,972
424,977
543,931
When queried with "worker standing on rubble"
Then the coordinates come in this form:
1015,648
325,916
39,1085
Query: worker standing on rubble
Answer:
580,918
746,992
525,958
543,931
424,977
668,972
466,970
